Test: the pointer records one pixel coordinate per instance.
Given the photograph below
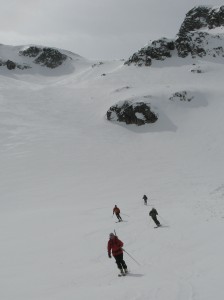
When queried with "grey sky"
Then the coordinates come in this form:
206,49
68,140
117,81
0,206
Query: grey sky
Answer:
95,29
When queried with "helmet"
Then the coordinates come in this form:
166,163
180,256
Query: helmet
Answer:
111,236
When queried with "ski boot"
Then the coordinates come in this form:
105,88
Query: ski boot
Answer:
122,273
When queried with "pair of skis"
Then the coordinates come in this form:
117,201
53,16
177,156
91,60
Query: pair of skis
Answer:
158,226
122,274
161,226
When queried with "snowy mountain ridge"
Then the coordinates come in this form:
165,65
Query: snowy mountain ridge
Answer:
201,36
37,57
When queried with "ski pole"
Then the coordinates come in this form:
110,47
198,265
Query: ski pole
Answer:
131,257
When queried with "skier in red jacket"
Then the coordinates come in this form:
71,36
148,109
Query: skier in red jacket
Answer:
115,245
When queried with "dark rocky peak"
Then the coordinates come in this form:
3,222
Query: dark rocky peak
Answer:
158,50
201,17
194,39
200,44
48,57
31,51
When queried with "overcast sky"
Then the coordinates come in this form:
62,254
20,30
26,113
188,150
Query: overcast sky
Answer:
95,29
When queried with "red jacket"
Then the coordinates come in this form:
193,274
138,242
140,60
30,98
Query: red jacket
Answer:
115,245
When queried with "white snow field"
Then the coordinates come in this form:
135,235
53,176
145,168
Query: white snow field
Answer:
63,167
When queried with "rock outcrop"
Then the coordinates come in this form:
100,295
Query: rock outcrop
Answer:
47,57
196,38
202,17
182,96
28,57
11,65
138,113
158,50
31,51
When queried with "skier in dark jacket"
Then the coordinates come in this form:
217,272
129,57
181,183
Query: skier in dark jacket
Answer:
153,214
117,211
145,199
115,245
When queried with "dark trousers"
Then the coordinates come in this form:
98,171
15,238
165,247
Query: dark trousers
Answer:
120,262
119,217
155,220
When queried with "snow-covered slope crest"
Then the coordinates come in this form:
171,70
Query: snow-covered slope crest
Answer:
201,35
37,58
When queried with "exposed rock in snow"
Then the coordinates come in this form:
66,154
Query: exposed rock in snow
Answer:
31,51
202,17
138,113
10,65
200,44
158,50
197,69
27,57
48,57
181,96
198,37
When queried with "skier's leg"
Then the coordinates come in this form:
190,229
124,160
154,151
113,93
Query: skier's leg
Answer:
124,266
154,219
157,221
119,259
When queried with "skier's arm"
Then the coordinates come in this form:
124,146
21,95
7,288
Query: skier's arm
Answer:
109,250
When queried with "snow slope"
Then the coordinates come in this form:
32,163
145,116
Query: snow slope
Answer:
64,167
